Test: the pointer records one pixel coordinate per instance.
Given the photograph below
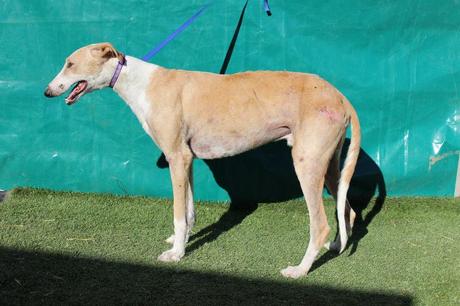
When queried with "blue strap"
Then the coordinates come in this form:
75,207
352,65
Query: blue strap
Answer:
185,25
267,8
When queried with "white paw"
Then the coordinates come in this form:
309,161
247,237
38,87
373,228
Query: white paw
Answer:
293,272
171,256
170,239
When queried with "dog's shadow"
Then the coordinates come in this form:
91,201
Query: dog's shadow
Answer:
266,175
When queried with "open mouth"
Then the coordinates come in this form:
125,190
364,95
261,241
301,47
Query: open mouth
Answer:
77,91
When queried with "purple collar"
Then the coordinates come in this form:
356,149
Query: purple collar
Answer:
117,72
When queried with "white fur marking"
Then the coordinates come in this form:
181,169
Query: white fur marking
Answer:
341,202
132,88
178,249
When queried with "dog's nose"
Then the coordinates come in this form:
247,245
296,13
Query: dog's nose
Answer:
48,92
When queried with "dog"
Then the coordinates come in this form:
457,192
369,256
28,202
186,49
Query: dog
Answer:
204,115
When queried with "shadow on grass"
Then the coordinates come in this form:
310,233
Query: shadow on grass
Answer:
2,195
42,278
230,219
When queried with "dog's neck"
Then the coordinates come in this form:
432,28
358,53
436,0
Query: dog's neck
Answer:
134,79
132,85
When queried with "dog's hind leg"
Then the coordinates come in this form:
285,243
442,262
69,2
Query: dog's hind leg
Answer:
332,184
312,150
333,171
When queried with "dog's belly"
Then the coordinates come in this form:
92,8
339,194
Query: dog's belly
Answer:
217,145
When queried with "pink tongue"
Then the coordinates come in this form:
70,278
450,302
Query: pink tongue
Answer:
80,86
77,89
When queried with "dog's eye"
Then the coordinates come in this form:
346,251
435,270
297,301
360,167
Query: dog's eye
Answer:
69,64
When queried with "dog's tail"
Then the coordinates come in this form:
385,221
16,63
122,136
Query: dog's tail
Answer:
347,171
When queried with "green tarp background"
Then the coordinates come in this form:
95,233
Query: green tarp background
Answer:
398,62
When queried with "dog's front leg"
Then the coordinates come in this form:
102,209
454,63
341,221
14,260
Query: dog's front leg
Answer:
179,165
190,209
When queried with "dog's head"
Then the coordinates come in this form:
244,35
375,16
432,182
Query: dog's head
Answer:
89,68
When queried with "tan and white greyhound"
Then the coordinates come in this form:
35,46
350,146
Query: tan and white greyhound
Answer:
205,115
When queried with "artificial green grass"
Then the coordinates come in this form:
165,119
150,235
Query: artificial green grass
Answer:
60,248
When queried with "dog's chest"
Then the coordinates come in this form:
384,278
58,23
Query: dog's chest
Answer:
142,109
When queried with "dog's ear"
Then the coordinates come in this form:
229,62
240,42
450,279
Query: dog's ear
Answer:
104,51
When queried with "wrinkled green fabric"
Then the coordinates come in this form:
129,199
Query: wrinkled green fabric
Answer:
398,62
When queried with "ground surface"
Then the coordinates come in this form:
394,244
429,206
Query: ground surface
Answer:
82,248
